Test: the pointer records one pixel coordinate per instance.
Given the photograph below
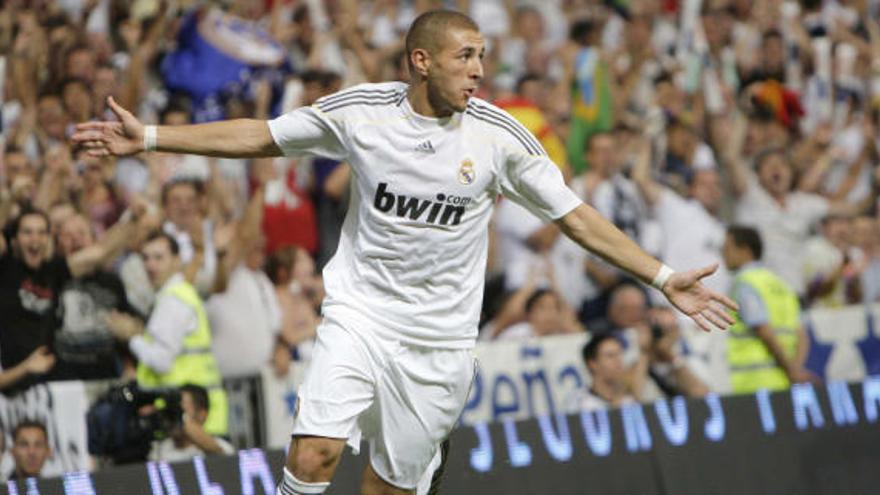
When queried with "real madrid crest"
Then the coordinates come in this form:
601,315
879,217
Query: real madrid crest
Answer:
466,174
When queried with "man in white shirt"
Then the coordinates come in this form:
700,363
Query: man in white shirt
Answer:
393,355
692,232
603,357
784,216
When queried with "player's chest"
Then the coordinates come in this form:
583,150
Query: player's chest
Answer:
424,163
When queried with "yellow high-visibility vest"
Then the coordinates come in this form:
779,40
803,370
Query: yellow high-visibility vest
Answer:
752,366
195,364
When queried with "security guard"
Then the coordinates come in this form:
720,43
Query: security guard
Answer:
767,346
175,347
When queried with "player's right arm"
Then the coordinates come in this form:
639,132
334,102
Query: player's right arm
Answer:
241,138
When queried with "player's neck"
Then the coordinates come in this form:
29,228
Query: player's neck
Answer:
422,104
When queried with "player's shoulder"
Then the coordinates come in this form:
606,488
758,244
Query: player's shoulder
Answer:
501,124
361,96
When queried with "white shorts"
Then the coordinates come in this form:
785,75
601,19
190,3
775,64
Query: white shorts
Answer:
403,399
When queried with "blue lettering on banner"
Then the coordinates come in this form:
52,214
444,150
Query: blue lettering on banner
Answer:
806,406
597,431
78,483
290,401
252,464
519,452
570,371
715,424
30,485
558,444
871,396
161,475
481,455
499,408
635,428
675,425
765,410
530,378
843,409
206,486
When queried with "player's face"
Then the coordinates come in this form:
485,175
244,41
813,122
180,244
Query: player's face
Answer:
456,71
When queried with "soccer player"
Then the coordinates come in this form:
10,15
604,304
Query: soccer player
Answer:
393,359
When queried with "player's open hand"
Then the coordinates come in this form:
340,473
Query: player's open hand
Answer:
705,306
122,138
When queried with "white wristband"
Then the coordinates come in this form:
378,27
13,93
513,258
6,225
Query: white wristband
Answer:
662,277
150,138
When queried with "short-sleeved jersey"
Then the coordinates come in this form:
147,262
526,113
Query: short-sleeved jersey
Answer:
412,252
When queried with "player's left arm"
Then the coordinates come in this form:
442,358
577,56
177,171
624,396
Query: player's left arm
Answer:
532,180
684,290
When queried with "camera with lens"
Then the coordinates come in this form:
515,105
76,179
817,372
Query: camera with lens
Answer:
125,421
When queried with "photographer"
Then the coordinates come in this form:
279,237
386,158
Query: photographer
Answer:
174,347
189,438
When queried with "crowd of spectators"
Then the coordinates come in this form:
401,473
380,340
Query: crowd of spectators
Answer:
675,119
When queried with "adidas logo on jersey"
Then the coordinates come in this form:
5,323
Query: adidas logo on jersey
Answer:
425,147
446,210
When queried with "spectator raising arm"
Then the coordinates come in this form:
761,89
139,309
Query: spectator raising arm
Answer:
240,138
641,175
91,258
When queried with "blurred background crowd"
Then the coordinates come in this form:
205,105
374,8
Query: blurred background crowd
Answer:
691,125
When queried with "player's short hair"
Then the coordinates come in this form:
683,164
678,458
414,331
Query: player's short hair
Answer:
747,237
161,234
29,423
591,348
199,395
429,30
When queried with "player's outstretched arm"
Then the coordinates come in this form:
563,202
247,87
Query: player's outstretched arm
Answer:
684,290
242,138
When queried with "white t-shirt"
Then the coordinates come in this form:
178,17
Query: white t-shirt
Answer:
245,320
692,237
584,399
784,230
413,247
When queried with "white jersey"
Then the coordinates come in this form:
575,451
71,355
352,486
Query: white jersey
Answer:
412,253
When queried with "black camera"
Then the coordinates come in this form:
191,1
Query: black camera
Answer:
122,428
